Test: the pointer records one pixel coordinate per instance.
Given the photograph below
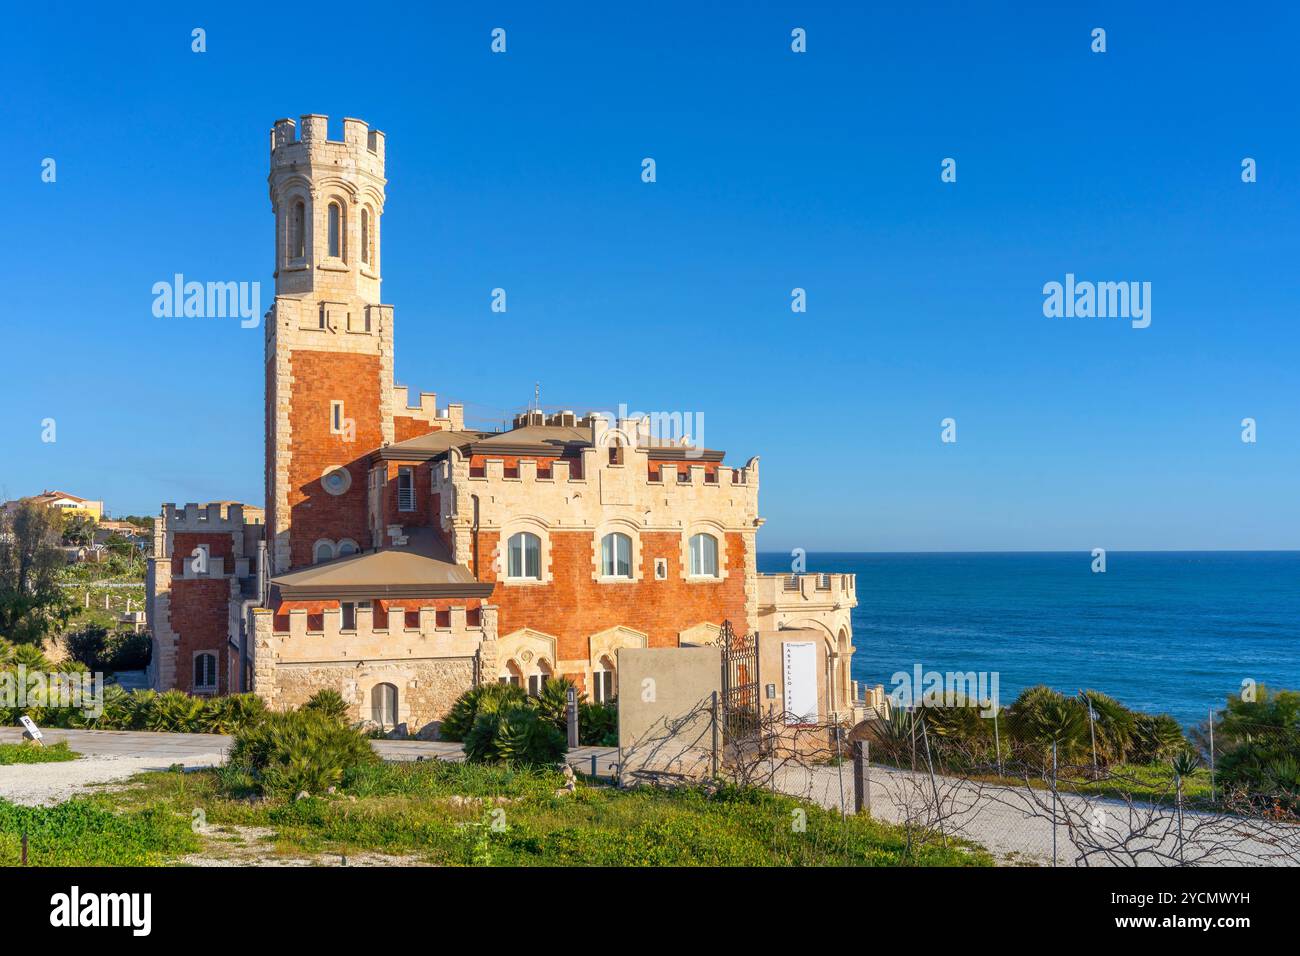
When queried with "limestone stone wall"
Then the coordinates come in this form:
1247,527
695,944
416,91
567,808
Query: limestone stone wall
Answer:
430,666
426,689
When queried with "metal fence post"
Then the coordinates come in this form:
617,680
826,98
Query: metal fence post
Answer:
839,768
997,740
715,733
1212,755
862,777
1053,803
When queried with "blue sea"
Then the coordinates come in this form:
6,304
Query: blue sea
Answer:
1162,631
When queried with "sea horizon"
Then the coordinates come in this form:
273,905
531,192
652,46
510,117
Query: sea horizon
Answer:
1162,631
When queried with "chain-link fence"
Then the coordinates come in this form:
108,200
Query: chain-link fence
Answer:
1045,785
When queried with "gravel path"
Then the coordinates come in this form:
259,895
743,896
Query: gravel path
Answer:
111,756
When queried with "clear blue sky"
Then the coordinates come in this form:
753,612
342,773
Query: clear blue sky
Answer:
775,170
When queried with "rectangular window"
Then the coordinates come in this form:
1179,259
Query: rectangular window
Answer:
604,689
535,684
616,556
336,418
405,488
525,556
349,614
205,672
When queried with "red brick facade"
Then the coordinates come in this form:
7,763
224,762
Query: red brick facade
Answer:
320,378
573,606
199,618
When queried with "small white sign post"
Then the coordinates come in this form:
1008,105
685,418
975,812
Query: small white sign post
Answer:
30,728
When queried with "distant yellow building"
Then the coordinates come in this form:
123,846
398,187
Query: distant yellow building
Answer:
70,504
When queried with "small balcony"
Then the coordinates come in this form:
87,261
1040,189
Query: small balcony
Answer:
790,592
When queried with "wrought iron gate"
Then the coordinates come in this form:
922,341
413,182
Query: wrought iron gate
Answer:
740,709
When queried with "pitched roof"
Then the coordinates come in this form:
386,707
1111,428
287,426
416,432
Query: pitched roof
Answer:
427,446
552,440
421,568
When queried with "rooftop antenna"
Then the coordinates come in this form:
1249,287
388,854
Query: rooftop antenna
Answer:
537,396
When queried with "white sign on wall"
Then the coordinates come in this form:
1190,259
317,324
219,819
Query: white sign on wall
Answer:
800,682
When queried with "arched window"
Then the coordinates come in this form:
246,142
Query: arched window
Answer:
704,556
324,551
347,546
383,705
603,689
524,557
298,230
335,231
365,235
538,678
510,674
616,555
205,671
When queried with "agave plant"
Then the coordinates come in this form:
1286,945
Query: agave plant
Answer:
894,734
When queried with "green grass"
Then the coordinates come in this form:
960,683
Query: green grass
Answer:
1154,782
427,811
86,832
31,752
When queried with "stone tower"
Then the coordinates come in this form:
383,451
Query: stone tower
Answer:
329,341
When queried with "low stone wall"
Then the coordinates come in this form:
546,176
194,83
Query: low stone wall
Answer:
429,666
425,689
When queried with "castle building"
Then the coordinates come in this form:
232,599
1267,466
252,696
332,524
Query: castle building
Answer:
402,558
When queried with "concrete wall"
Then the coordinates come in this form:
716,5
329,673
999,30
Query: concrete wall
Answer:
664,709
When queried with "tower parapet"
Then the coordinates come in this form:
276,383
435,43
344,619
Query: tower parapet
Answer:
291,143
329,338
328,200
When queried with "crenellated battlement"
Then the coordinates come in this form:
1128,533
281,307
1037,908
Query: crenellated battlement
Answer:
665,476
426,409
218,516
309,142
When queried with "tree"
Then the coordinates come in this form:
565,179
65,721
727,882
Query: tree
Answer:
31,601
78,528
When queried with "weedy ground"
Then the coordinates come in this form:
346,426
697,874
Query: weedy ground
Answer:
29,751
455,814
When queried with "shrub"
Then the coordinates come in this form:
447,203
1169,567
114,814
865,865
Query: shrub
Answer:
515,734
552,704
87,644
97,649
1156,738
302,751
127,651
598,724
460,718
330,703
229,715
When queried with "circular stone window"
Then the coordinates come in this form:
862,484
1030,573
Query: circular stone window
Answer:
336,480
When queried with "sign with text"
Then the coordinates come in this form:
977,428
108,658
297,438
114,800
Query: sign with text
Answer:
800,682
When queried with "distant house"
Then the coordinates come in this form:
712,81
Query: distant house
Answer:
66,503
